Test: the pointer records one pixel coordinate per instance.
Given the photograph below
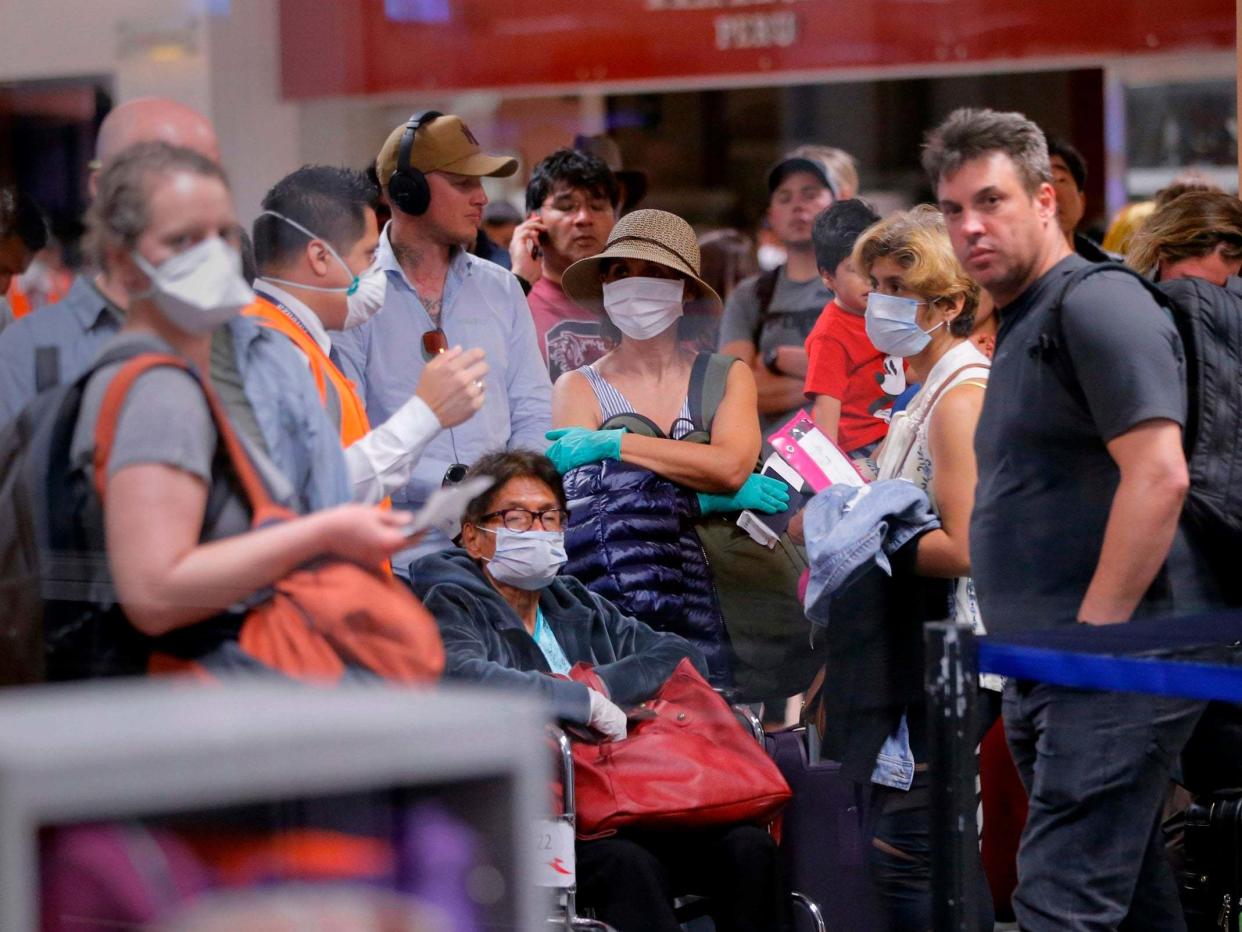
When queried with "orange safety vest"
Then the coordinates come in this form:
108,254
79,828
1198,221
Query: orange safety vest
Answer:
335,391
19,303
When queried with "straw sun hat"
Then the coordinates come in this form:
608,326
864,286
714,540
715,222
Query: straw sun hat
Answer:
654,235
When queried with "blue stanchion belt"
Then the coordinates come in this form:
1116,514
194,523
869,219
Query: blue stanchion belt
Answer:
1130,657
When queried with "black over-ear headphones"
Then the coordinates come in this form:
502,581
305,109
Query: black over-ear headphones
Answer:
407,188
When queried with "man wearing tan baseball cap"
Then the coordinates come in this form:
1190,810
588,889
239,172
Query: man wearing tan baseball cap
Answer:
439,296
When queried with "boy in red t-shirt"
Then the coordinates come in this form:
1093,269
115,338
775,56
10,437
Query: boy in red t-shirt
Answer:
851,384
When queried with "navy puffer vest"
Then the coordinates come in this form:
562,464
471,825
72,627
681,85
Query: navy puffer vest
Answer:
631,539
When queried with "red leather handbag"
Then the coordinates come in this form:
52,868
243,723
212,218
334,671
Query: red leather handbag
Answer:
687,763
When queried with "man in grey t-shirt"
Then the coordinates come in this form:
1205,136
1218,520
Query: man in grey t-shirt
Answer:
1081,482
769,316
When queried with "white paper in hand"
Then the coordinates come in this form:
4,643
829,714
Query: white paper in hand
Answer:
444,507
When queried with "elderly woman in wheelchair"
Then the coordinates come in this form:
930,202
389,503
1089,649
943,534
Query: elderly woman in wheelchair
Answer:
508,620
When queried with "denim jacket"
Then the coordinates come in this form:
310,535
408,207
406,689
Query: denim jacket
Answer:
849,529
295,429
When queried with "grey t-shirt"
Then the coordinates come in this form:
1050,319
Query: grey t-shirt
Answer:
227,379
789,318
1046,479
165,419
788,321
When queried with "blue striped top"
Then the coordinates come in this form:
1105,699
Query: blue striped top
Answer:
612,402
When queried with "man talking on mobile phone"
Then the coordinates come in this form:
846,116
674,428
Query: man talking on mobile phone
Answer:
572,201
439,297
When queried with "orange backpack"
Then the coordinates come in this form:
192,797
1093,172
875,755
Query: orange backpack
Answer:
326,618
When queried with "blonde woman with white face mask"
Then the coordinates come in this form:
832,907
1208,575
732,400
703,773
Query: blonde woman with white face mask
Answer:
177,532
646,282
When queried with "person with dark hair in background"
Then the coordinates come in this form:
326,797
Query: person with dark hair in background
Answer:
571,201
314,244
23,232
508,620
438,296
1069,181
768,318
1075,521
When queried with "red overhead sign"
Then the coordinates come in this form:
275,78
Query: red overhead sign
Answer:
371,46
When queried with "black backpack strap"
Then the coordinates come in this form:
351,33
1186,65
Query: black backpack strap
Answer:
765,290
708,379
1051,345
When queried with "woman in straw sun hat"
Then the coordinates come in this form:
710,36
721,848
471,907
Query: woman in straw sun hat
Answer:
636,405
631,521
646,281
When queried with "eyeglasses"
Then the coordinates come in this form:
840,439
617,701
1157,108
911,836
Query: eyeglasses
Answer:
435,342
520,519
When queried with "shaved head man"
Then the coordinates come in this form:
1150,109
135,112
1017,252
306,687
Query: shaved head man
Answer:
152,119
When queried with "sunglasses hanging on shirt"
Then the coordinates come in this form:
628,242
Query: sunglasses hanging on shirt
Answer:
435,342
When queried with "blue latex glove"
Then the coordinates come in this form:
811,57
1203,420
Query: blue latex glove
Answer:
577,446
763,494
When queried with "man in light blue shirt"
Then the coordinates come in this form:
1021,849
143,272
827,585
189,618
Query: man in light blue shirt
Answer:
440,296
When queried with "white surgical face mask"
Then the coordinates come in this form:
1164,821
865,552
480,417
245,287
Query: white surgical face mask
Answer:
891,327
642,308
528,560
199,289
366,302
365,292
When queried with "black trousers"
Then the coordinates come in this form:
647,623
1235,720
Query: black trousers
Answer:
630,879
1096,767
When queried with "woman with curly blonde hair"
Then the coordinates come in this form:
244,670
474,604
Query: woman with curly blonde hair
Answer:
922,308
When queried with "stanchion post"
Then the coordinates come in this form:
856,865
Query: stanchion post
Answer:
951,679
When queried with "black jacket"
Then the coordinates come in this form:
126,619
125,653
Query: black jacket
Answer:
485,641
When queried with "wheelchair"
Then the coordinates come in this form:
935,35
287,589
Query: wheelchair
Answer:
686,908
